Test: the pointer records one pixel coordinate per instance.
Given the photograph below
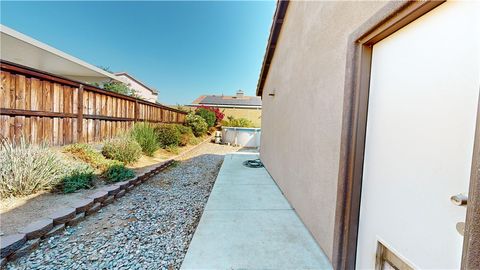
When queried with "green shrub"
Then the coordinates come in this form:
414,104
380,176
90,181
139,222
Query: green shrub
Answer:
186,135
80,177
209,116
123,149
183,129
26,169
117,173
144,135
117,87
197,123
167,135
86,153
237,122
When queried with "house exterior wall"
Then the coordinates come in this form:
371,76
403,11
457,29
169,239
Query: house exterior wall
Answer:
301,126
142,91
254,115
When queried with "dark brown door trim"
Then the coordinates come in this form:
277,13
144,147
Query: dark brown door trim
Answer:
388,20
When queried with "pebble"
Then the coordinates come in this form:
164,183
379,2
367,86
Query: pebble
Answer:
149,228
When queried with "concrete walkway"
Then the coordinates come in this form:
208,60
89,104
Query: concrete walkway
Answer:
248,224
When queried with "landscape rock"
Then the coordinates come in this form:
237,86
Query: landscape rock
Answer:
123,184
109,200
99,196
77,219
62,215
37,228
94,209
58,229
83,205
112,190
28,247
120,194
11,243
134,181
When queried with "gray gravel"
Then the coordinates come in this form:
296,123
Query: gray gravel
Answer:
149,228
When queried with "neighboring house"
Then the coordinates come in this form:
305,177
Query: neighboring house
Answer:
24,50
142,90
238,106
414,67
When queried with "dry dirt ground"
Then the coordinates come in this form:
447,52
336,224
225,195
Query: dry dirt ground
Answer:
17,212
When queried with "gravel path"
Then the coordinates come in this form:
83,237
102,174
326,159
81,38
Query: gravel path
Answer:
149,228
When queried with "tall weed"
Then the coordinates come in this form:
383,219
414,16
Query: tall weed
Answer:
145,136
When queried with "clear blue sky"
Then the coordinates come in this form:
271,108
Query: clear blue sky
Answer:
184,49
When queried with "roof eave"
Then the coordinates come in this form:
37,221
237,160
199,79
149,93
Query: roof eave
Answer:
42,46
275,29
154,91
226,106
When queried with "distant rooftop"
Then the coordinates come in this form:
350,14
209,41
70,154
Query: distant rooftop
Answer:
229,101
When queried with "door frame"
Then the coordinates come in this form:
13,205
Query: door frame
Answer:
385,22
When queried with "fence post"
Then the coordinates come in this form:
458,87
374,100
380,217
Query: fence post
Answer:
135,116
80,114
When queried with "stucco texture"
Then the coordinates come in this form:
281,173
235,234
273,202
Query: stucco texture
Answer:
254,115
301,125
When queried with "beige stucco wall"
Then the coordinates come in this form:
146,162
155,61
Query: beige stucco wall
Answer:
254,115
301,124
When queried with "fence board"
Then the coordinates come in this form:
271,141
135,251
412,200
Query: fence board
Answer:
5,90
12,91
28,94
47,108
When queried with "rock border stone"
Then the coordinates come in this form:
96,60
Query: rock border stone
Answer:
37,228
17,245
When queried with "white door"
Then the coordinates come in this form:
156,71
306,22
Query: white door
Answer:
424,90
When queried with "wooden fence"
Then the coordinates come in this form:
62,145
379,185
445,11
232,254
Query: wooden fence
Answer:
47,108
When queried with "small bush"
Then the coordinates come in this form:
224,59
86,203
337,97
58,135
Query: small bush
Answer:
197,123
117,87
208,115
218,114
237,122
117,173
86,153
167,135
80,177
26,169
186,135
144,135
183,129
123,149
